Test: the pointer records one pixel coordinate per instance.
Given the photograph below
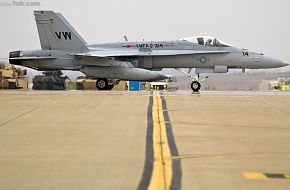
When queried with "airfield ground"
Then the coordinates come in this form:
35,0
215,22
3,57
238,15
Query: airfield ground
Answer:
109,140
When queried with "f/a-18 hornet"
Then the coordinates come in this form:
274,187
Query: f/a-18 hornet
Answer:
62,48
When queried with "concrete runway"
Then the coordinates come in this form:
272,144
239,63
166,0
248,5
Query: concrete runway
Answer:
134,140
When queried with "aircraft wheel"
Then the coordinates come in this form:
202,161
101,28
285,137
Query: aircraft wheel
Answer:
195,86
102,84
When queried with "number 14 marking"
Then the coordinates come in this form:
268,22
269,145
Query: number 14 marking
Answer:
245,53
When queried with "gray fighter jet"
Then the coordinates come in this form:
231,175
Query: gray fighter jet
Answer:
62,48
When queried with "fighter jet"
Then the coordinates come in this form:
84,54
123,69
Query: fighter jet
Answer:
62,48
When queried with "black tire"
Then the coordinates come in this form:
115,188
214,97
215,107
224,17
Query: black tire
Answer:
102,84
36,86
12,85
195,86
109,87
79,86
49,86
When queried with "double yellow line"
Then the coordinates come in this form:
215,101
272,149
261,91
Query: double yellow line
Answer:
162,167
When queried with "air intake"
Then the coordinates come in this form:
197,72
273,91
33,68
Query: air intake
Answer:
14,54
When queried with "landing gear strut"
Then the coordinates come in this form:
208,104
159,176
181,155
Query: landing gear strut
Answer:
102,84
195,84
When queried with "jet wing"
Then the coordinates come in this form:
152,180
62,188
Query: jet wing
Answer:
149,52
108,53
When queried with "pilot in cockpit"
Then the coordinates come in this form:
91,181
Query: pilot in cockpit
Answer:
208,42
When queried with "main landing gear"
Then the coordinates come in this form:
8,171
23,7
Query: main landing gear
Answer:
104,84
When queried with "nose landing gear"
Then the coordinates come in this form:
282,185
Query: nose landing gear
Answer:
195,84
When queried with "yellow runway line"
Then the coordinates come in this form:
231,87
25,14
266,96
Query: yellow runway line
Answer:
265,176
162,167
254,175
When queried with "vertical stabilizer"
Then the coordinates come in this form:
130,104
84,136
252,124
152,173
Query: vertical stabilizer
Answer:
55,33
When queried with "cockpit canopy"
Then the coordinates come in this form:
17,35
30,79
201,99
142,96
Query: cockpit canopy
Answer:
207,41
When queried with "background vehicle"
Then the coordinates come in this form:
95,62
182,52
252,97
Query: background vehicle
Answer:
167,84
12,78
50,80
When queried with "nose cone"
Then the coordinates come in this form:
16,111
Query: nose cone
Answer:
270,62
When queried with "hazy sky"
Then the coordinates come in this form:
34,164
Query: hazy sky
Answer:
254,24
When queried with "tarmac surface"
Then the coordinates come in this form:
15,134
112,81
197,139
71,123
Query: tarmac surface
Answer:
144,140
